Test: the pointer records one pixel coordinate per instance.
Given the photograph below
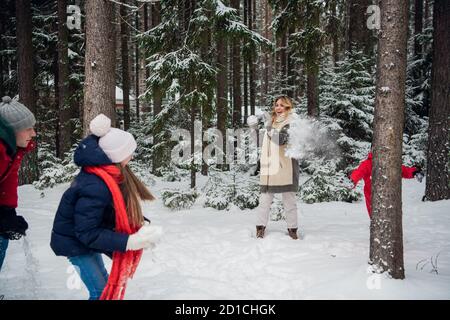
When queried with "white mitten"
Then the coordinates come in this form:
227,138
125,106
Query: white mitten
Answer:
141,239
153,233
252,121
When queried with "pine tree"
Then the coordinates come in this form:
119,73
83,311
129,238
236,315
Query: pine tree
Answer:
347,94
303,16
386,233
180,64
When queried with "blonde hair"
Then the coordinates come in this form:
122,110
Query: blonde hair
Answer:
133,190
286,102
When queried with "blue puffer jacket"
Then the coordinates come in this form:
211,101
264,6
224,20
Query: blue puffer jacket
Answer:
85,219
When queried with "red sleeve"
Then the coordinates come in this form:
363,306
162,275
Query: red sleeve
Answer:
4,159
360,172
408,172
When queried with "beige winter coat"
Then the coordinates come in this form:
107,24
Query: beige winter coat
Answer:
279,173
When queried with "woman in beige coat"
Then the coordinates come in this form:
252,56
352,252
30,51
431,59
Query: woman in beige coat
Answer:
279,173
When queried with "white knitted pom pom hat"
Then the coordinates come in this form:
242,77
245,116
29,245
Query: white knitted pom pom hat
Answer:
117,144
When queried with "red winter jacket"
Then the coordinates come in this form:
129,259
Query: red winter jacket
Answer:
364,171
9,174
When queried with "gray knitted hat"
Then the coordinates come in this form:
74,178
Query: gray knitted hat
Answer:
16,114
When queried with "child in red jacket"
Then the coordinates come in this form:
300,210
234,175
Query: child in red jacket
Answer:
364,171
16,134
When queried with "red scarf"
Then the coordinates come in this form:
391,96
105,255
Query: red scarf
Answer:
124,264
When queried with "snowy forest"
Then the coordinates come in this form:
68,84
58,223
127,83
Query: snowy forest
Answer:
186,78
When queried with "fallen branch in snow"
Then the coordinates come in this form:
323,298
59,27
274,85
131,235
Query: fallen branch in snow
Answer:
433,261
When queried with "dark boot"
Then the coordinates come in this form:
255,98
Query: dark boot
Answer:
260,231
293,233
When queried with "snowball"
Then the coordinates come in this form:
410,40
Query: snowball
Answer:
252,120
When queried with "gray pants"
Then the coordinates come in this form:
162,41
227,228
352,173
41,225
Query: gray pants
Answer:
289,204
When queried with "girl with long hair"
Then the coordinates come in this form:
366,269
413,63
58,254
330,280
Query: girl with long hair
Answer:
101,213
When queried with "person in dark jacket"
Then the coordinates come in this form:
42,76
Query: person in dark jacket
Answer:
364,172
84,225
16,134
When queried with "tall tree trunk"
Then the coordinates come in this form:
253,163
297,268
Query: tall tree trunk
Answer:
157,158
3,62
207,111
438,177
267,72
245,91
65,112
418,26
427,11
222,92
347,5
29,169
192,134
145,19
290,67
99,86
386,235
283,61
237,92
252,69
334,32
312,68
230,78
144,73
137,66
157,95
189,6
56,109
246,65
124,35
428,22
360,37
312,93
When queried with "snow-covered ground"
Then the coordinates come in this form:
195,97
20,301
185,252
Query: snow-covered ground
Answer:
209,254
